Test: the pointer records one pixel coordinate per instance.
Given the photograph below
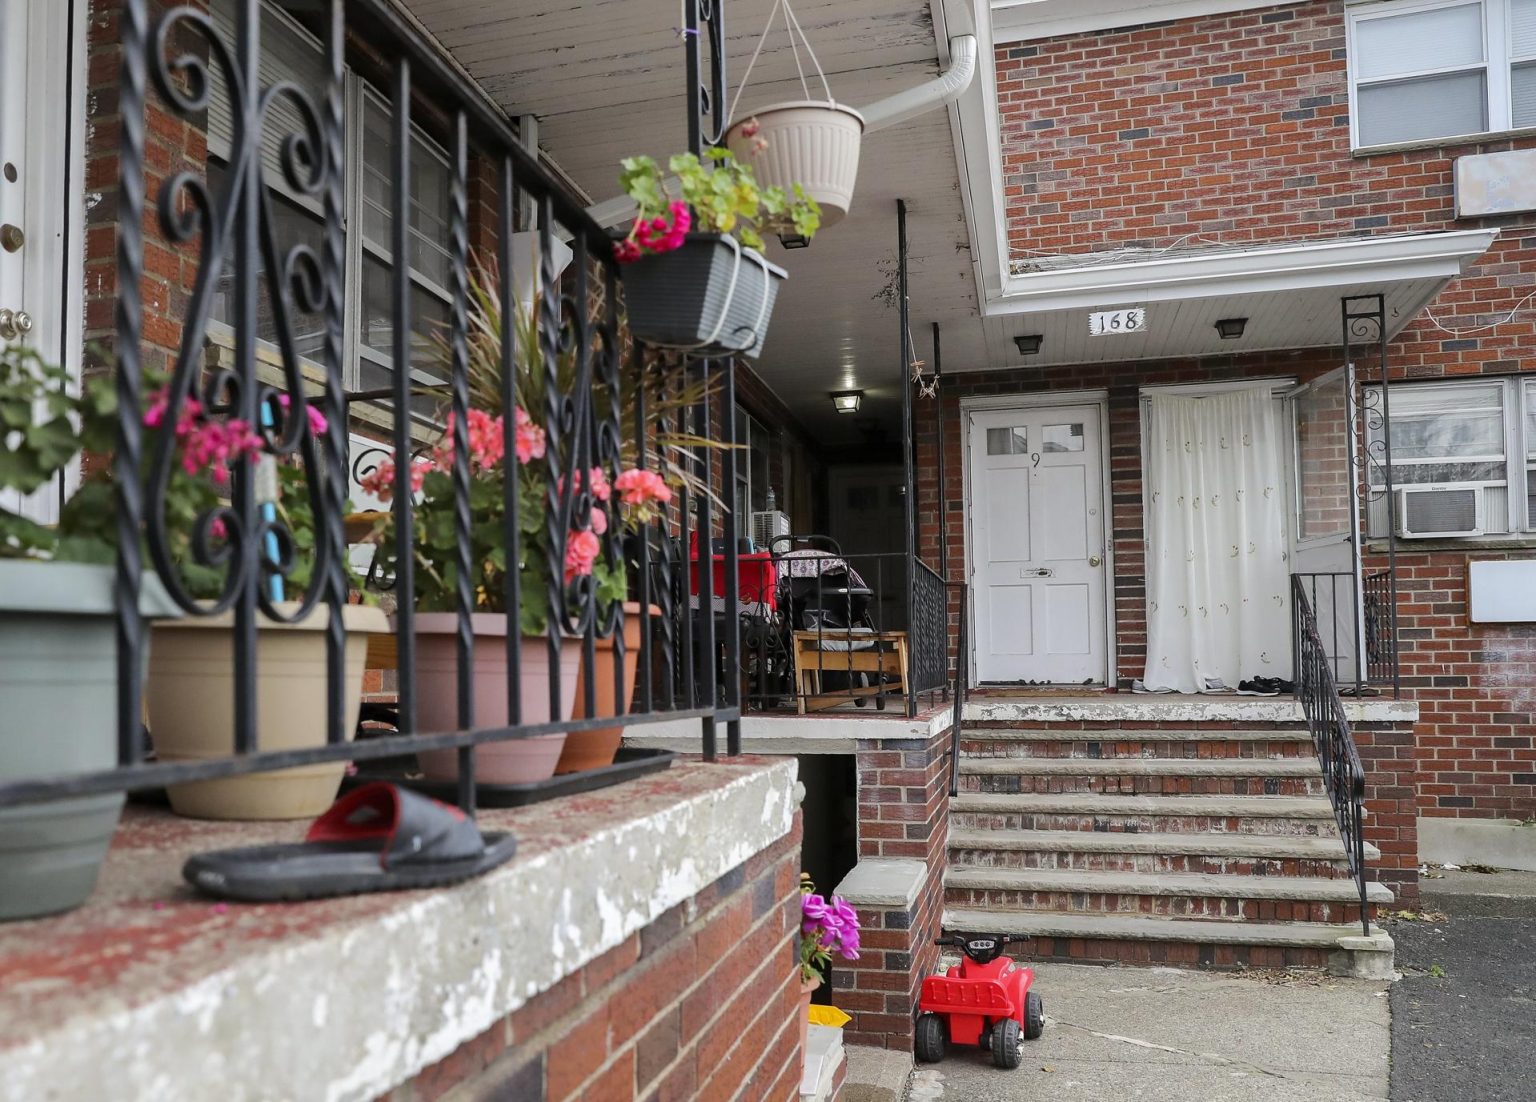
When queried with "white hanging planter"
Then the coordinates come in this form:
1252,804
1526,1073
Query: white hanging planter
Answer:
808,142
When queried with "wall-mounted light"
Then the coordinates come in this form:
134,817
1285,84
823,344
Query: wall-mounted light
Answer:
1029,344
847,401
1231,328
794,241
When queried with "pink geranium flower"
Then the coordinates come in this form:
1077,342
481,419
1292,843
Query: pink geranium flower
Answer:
581,551
530,439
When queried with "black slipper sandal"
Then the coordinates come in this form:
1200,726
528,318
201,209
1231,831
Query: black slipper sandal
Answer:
378,838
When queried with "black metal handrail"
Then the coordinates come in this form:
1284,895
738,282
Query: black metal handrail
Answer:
1332,738
176,56
962,683
1356,624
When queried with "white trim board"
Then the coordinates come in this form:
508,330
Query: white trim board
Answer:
1027,20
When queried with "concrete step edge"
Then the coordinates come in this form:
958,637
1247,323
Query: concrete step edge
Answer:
1142,767
1026,734
1088,803
1300,935
1268,846
1310,889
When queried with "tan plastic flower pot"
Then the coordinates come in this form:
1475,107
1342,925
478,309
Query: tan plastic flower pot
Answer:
191,694
808,142
595,749
511,761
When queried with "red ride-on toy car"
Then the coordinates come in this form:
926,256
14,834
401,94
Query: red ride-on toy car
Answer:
985,1000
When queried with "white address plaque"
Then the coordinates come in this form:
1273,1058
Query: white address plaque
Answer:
1107,323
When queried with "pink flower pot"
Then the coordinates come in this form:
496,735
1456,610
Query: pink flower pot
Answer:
806,991
513,761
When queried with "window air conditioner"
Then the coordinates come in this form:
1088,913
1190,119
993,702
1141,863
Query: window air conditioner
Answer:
768,526
1424,512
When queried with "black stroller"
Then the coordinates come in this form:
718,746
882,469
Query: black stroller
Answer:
824,616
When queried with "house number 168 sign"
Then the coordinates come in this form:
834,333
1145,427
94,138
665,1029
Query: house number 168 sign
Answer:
1109,322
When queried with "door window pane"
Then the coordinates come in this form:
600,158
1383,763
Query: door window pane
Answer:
1011,441
1424,107
1062,438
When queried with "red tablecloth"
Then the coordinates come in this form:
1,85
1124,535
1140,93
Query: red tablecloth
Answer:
757,579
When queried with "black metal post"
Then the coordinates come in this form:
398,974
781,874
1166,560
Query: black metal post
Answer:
910,498
405,543
459,378
338,727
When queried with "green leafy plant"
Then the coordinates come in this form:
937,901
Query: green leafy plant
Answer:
717,194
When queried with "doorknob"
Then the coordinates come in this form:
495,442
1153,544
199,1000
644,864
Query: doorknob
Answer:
14,323
1094,560
11,238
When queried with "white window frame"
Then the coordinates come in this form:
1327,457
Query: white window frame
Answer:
355,93
1496,66
1519,458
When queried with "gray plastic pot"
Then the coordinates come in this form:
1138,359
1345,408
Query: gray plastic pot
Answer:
710,297
58,682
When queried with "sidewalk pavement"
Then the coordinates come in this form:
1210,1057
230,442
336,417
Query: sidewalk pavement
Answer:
1171,1035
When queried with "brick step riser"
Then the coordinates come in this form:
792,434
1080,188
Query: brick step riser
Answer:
1177,954
1147,824
1226,908
1187,751
1121,785
1149,863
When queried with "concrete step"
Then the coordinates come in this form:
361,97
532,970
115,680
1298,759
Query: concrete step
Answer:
1136,743
1119,851
1282,815
1252,898
1150,939
1165,776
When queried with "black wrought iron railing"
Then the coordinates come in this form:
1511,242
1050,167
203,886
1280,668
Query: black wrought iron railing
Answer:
1357,627
587,395
1332,738
961,684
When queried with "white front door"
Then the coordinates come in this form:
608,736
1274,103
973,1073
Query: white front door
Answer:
1036,507
40,196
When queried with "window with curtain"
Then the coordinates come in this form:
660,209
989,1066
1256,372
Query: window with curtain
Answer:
289,52
1426,70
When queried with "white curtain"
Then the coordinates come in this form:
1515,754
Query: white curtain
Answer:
1218,599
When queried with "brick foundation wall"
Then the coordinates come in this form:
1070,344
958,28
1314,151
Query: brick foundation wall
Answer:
702,1003
903,790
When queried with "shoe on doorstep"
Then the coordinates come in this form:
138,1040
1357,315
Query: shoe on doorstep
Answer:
1139,686
1279,684
1257,687
1216,685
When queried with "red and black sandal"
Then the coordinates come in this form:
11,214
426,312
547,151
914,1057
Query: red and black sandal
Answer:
378,838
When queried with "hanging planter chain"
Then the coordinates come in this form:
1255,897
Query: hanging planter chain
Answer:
792,28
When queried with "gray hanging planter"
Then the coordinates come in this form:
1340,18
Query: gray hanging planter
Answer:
58,678
711,297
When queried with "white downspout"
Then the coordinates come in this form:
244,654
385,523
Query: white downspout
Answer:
941,91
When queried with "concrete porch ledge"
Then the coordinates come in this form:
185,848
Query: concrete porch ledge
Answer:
152,992
1170,708
817,733
889,883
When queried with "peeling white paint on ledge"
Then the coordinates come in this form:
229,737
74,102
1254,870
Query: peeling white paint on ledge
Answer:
826,733
361,1006
1136,708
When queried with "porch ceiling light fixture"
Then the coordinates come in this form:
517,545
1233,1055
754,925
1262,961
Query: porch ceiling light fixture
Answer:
1231,328
1029,344
794,241
847,401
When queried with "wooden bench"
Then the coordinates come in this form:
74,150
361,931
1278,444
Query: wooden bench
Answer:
830,651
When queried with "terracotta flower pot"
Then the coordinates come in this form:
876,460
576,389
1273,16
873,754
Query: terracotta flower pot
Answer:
806,991
595,749
513,761
191,695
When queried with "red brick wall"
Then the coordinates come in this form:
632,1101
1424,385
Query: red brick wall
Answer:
903,812
702,1003
1232,130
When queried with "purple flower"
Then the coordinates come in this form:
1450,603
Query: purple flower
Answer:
846,915
813,908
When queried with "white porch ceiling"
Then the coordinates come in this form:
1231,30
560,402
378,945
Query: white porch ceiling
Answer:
605,79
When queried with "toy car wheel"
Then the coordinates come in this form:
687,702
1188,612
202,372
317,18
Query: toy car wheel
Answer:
930,1038
1005,1044
1034,1016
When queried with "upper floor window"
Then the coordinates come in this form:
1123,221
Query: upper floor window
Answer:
1427,69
